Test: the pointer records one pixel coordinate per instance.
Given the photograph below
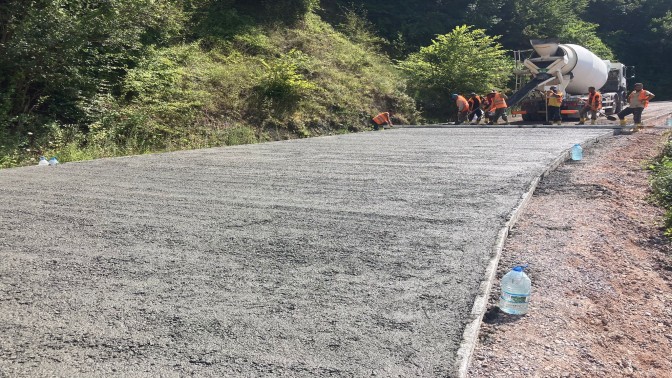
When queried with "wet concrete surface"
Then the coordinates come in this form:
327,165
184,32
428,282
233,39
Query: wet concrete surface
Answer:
350,255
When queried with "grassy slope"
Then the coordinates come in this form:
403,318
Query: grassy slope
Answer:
262,85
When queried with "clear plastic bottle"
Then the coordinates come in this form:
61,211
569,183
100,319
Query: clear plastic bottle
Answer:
53,161
577,152
516,289
43,162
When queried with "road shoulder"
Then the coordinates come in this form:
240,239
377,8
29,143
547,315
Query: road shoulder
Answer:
600,271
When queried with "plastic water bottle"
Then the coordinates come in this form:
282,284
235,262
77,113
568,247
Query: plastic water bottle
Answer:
516,289
43,162
577,152
53,162
669,122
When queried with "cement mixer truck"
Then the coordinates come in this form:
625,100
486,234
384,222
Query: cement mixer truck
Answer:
572,68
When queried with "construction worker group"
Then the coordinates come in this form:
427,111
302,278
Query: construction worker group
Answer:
493,106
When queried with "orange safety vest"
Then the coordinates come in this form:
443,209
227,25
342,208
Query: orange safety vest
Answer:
595,101
382,118
464,102
471,102
643,97
497,102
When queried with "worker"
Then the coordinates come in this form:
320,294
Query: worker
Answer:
462,107
475,110
497,107
554,98
382,120
487,101
637,101
592,106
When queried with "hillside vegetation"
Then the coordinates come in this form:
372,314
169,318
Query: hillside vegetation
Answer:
90,78
166,77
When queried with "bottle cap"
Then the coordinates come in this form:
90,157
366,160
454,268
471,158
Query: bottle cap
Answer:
520,268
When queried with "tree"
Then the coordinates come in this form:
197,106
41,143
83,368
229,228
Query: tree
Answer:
56,55
462,61
284,11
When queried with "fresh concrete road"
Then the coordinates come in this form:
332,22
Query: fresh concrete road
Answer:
351,255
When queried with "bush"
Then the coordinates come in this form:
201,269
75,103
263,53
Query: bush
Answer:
661,184
283,83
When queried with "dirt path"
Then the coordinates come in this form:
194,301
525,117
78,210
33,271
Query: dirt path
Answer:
601,274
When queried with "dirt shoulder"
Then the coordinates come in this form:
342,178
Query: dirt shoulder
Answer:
601,273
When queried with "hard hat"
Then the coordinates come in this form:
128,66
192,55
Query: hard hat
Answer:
454,95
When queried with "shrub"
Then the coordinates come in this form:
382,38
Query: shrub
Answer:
661,184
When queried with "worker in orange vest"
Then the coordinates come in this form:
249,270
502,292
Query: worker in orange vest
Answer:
487,101
475,110
381,120
497,107
462,108
592,106
637,101
554,98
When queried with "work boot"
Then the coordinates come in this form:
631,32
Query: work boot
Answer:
622,122
558,123
582,121
592,122
638,126
478,120
490,123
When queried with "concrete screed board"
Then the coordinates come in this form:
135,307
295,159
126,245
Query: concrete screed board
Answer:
347,255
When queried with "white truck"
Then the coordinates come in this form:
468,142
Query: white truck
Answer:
572,68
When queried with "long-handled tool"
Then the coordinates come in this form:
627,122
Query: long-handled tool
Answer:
603,114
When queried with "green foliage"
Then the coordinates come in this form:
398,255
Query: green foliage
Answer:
56,55
661,185
352,83
462,61
585,34
277,11
360,30
283,83
661,43
171,96
87,78
416,21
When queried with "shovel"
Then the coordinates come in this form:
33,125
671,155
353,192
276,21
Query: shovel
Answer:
603,114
